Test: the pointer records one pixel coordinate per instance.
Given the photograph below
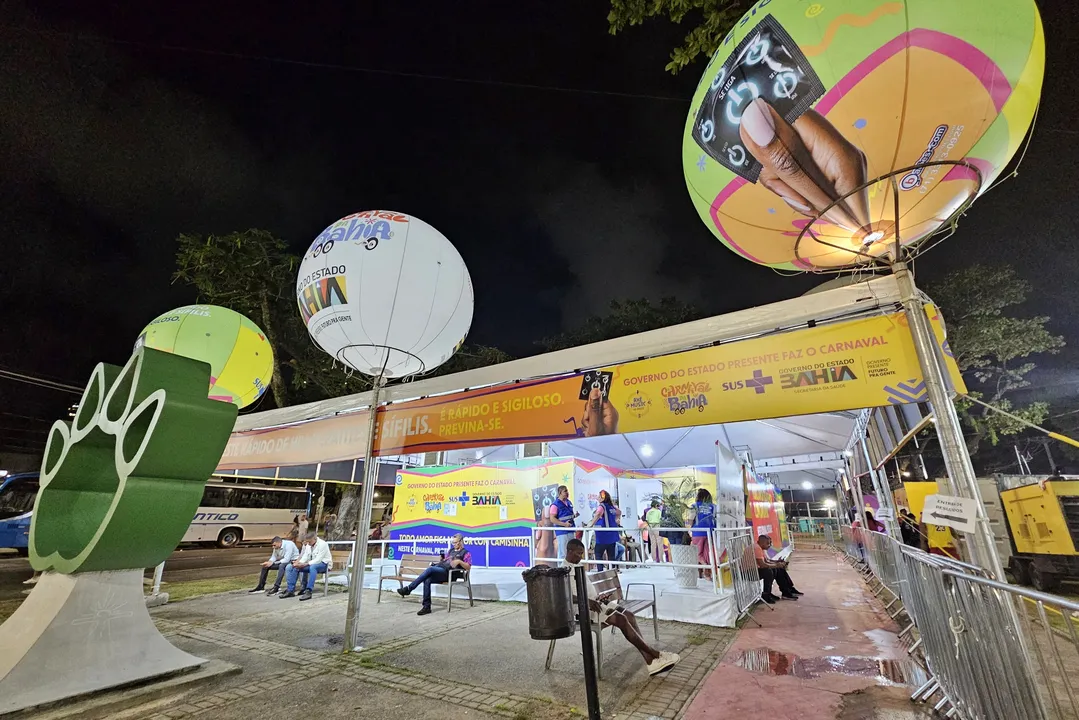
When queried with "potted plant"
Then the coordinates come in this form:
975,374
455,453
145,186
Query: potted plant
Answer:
677,497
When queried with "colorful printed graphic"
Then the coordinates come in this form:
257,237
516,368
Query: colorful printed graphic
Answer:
765,511
844,366
503,501
815,129
321,294
240,358
500,500
409,302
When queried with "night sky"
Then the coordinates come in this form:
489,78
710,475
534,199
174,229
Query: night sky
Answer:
547,150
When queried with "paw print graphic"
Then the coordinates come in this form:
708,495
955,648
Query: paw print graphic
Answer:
121,482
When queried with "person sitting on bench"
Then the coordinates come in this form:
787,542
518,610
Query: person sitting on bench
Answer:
284,552
773,571
315,558
615,616
456,558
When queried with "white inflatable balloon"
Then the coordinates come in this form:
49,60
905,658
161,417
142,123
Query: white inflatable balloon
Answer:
385,293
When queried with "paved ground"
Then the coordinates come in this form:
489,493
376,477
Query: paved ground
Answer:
832,654
476,662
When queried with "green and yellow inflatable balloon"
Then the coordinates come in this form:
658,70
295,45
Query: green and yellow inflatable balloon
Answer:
823,132
239,356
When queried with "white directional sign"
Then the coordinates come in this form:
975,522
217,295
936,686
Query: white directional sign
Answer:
955,512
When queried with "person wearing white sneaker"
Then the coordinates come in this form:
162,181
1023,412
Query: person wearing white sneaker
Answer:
615,616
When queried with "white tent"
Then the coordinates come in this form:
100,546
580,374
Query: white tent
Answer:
876,297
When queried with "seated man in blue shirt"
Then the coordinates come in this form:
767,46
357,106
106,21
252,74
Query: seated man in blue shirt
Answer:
456,558
284,552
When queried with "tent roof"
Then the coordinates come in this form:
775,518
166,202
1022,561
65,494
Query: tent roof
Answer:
796,449
810,436
871,298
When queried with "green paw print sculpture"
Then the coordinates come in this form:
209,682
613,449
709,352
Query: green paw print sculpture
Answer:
120,484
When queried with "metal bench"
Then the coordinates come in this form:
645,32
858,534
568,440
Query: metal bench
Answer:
342,567
412,566
604,582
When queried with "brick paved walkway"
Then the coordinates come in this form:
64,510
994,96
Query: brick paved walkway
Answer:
478,660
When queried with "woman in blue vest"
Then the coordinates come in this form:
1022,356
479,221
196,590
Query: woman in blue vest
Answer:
562,515
607,516
702,518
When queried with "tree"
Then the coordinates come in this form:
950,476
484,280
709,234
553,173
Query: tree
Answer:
710,20
626,317
991,346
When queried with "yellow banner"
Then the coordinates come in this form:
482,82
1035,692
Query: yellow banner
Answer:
842,366
845,366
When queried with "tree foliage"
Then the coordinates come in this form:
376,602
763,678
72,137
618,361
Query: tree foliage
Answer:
992,345
709,22
625,317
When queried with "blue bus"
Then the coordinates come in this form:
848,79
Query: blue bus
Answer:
17,493
229,513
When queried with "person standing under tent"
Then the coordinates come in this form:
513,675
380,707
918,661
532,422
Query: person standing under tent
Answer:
563,515
607,516
302,524
653,517
702,518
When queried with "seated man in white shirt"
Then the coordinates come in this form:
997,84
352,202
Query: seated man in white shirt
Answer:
284,552
615,616
314,559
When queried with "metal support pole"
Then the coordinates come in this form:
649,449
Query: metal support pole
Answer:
363,524
158,572
961,480
591,686
884,493
321,500
856,488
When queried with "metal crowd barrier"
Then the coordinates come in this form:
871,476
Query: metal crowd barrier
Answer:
716,566
993,651
743,568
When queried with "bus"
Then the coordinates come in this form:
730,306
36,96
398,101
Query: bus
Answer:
17,493
228,514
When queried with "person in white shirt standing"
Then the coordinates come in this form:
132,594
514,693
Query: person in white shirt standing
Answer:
314,559
284,552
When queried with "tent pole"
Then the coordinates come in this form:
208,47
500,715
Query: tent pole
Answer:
960,478
363,524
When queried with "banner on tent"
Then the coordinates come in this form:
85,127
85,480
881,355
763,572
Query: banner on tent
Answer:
503,500
860,363
765,511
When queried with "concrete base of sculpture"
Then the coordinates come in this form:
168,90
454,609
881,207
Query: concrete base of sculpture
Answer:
79,634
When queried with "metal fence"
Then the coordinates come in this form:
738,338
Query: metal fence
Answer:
993,651
743,567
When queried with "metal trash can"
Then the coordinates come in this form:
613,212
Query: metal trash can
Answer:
550,602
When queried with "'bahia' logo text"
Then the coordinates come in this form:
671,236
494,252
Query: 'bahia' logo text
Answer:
821,376
366,227
486,500
686,396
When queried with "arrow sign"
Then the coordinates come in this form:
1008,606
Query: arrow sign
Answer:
955,512
935,516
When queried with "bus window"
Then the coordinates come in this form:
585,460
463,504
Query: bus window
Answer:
215,497
18,498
